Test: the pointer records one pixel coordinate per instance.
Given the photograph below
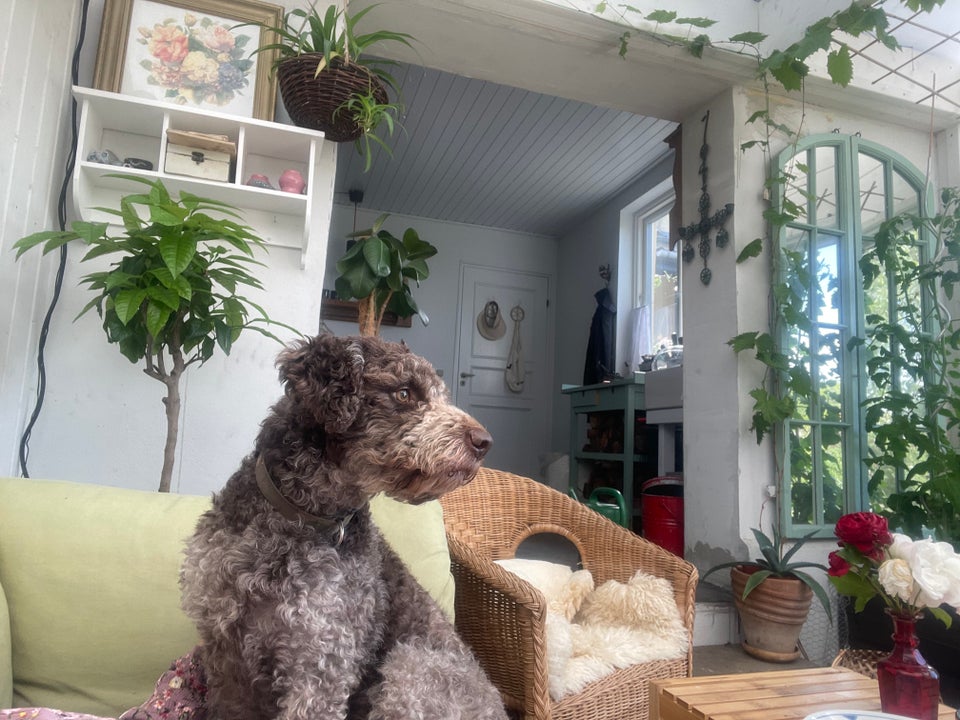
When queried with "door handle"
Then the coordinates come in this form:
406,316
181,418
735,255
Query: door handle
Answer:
465,375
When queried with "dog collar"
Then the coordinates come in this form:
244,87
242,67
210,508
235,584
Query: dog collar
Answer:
336,528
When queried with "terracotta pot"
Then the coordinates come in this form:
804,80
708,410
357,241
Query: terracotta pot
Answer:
772,614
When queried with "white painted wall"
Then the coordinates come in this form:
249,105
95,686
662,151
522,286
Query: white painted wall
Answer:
595,242
34,78
102,420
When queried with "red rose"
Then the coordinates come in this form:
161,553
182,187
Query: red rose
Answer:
866,531
838,566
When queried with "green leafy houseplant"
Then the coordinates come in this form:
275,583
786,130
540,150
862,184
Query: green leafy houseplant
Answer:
377,269
327,80
172,296
914,364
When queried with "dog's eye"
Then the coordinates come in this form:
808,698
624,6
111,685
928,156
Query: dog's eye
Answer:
403,395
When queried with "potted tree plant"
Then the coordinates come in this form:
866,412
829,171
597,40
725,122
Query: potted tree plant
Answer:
377,269
328,82
171,298
773,595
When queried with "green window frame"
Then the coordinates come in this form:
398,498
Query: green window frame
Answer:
846,187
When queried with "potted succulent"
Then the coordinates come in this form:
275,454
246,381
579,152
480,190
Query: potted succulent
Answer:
377,269
327,81
773,595
172,296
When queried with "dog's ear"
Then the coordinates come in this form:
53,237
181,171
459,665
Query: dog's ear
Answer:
323,375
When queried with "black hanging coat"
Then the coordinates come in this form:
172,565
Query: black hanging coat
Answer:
601,346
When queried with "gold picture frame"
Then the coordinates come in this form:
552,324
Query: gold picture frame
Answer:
191,52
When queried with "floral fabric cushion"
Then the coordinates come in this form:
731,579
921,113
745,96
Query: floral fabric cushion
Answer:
180,694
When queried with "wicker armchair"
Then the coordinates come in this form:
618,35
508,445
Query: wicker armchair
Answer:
503,618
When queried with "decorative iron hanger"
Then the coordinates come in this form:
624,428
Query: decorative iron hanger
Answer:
707,223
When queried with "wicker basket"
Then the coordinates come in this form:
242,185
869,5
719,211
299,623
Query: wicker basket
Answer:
312,102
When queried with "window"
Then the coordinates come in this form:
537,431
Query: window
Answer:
656,319
847,187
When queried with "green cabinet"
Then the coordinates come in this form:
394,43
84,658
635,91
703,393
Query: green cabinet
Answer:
631,455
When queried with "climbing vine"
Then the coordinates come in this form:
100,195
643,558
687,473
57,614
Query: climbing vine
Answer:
785,377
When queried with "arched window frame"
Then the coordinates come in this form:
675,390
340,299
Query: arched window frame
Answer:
803,509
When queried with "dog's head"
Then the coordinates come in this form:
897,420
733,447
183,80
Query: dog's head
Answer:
385,414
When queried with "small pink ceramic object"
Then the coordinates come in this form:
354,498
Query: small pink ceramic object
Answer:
291,181
260,181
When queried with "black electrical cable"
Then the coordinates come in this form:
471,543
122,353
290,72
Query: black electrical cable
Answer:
62,219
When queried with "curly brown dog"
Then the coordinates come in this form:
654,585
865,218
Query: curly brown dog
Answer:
304,611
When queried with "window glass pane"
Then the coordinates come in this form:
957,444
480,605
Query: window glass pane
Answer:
798,349
876,301
828,279
795,266
795,284
832,460
872,191
666,288
830,376
796,190
826,188
801,475
909,308
906,199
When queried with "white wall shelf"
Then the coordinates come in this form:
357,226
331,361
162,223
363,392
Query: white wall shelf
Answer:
136,127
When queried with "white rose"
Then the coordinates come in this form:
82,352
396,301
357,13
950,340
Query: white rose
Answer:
896,579
936,570
901,547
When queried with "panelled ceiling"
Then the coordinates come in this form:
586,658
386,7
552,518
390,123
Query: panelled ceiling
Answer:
477,152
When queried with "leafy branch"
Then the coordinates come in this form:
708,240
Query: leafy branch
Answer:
172,297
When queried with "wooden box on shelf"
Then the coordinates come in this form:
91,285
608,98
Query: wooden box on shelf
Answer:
201,155
348,311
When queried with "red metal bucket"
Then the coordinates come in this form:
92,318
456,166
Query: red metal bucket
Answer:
661,509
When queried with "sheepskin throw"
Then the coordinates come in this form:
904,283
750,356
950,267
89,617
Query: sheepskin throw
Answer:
593,631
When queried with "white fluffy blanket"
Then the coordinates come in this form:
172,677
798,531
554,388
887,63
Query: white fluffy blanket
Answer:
593,631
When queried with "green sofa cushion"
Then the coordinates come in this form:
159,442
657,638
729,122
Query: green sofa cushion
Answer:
91,578
6,659
90,575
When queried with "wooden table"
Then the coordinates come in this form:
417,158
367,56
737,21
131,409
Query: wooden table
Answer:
779,695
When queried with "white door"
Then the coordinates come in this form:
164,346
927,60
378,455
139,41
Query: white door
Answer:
518,418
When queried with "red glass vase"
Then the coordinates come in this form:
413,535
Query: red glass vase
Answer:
908,686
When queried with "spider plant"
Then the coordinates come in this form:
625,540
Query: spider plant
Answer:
368,113
306,31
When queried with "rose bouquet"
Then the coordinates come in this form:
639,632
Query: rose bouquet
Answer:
909,575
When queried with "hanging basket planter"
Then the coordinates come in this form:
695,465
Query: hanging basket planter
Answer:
312,102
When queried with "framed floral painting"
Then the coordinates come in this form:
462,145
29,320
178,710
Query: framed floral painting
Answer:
197,53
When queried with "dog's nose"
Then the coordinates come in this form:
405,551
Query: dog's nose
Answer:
479,440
